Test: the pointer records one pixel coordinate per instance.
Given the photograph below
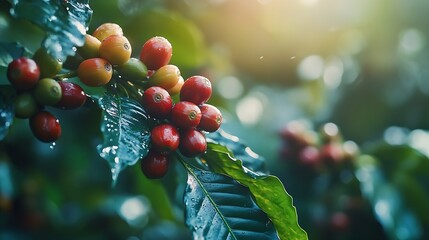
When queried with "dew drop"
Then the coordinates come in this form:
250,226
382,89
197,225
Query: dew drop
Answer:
52,145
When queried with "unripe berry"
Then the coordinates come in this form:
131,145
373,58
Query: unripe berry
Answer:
116,49
166,77
185,115
48,65
45,127
72,97
156,52
211,118
95,72
91,47
165,138
192,143
176,89
133,69
47,92
25,105
23,73
154,165
157,102
196,89
107,29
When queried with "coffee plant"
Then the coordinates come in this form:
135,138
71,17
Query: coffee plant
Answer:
151,116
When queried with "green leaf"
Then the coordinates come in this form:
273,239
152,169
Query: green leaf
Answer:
250,159
218,207
6,109
64,22
11,51
126,131
394,180
267,190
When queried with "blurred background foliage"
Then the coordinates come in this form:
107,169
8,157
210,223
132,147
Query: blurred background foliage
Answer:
360,64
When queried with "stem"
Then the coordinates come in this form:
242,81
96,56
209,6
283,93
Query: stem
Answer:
64,76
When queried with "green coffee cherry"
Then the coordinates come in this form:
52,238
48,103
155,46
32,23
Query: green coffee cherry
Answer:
133,69
48,65
25,105
47,92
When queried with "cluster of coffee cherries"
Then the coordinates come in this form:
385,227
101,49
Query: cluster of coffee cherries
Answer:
33,79
315,149
181,124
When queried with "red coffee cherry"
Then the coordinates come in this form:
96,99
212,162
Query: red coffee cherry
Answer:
156,52
95,72
45,126
116,49
192,143
211,118
72,97
309,156
332,153
23,73
154,165
157,102
185,115
196,89
165,138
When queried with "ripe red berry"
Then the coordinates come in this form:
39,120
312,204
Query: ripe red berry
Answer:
156,52
309,156
332,153
23,73
157,102
72,97
185,115
192,143
154,165
211,118
196,89
45,126
165,138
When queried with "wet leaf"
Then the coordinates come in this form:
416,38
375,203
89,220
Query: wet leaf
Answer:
218,207
126,131
267,190
6,109
394,180
11,51
64,22
251,160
